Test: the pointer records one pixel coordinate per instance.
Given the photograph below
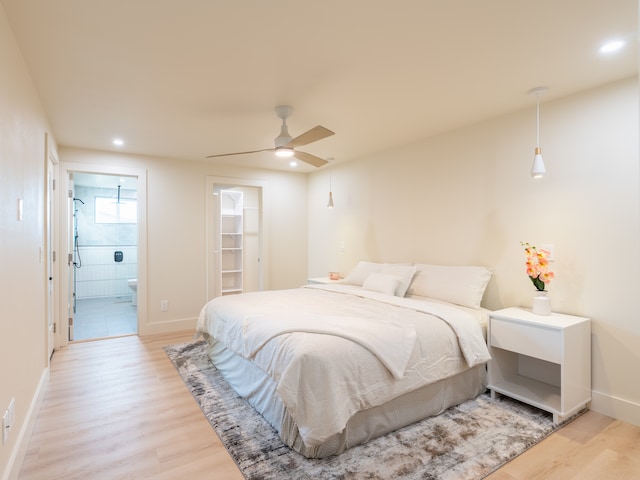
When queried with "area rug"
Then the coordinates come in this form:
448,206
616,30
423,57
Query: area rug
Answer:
465,442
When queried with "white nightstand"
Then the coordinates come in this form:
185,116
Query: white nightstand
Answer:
544,361
323,280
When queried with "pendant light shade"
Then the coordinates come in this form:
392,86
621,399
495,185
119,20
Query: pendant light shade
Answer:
330,202
538,169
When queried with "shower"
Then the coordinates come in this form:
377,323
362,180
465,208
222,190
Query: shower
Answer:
77,259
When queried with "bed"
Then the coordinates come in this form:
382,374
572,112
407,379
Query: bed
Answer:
333,366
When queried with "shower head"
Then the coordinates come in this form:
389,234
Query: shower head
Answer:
78,200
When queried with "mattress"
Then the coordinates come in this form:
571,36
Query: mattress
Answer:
260,391
332,367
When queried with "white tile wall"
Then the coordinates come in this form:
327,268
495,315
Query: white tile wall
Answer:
101,276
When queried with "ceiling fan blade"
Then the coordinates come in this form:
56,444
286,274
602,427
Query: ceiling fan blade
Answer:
310,159
313,135
241,153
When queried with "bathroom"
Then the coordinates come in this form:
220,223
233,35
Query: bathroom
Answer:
104,212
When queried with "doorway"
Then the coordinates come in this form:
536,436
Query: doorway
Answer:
245,238
104,255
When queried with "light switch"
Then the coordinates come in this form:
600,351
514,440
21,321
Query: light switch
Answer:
19,209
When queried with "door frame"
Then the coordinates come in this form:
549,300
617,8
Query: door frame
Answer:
213,182
66,263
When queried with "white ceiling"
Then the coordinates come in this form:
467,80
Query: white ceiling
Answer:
188,78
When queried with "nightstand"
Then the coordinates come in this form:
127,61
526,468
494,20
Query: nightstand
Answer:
544,361
322,280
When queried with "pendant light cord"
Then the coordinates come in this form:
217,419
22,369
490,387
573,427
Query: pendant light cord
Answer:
538,170
330,203
538,120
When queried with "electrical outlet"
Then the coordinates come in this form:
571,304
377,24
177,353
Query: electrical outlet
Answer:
164,305
8,419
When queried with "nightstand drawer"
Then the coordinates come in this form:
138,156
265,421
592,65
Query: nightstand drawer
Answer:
533,340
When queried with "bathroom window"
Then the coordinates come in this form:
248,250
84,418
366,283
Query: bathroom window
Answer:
108,210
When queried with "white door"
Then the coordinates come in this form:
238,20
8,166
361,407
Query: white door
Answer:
51,323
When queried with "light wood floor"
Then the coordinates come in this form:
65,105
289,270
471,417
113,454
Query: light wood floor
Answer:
117,409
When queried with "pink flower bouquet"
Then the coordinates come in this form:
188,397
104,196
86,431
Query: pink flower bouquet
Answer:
538,266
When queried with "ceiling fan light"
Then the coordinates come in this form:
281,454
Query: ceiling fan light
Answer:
538,170
284,152
284,145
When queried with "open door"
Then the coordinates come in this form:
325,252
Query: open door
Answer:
51,222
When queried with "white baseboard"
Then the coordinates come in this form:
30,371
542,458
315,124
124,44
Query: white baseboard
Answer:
24,436
179,325
614,407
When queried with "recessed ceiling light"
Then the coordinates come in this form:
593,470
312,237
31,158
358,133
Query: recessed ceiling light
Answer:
293,163
118,142
612,46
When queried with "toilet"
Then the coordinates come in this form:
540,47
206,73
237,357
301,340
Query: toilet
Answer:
133,285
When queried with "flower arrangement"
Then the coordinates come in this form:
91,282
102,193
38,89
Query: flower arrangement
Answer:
537,266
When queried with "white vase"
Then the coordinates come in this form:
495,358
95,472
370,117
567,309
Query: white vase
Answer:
541,303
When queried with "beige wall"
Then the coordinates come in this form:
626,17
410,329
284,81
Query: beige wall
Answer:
466,197
23,359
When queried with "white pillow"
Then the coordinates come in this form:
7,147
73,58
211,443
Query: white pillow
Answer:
462,285
404,273
381,282
361,272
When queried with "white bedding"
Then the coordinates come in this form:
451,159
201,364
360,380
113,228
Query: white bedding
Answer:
325,375
389,341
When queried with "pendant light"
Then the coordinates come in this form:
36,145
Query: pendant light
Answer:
538,170
330,202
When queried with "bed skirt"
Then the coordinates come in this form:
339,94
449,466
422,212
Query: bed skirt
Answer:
260,391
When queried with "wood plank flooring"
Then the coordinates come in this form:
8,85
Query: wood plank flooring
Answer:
117,409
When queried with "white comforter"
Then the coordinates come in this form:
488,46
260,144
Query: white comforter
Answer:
352,350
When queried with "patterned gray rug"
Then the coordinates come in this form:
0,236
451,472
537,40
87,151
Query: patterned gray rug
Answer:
466,442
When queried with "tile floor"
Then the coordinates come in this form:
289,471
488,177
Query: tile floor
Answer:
104,317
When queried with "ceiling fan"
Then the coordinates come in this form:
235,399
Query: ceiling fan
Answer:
285,145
